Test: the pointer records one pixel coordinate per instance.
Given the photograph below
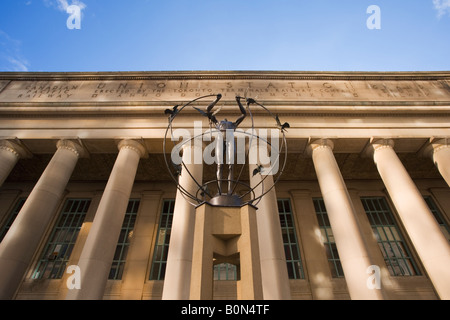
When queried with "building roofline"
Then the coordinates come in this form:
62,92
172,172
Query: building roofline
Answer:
226,75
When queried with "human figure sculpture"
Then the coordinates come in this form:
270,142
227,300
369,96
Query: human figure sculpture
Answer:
225,142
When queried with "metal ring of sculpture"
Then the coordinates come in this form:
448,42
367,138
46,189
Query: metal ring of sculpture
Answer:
247,193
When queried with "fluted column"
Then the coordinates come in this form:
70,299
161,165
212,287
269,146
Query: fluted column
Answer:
98,251
275,279
441,157
177,280
423,230
24,236
10,153
353,252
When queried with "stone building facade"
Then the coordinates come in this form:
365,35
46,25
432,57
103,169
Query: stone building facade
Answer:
362,210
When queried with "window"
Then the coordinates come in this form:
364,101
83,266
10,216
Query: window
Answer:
328,239
162,241
225,271
291,249
438,216
395,252
123,243
12,216
56,254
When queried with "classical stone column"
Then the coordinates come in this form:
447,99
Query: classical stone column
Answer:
177,280
10,153
441,157
423,230
98,251
24,236
350,243
275,279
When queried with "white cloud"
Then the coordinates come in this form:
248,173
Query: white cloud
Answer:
442,7
18,65
11,58
62,5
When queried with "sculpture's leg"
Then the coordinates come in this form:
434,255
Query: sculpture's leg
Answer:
220,146
230,147
230,178
219,178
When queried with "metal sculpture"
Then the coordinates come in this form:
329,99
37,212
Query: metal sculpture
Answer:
224,145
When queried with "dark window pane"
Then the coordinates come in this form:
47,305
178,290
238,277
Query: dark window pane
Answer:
60,244
291,248
123,242
328,238
161,248
395,252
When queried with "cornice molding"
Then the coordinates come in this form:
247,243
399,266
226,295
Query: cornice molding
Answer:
225,75
75,114
303,103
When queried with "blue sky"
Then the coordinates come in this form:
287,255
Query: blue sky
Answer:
165,35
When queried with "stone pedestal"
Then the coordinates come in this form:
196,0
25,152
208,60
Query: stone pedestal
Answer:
226,234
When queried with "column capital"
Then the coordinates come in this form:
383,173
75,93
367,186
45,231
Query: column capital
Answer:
433,146
73,145
377,144
436,145
381,143
438,150
315,144
14,146
134,144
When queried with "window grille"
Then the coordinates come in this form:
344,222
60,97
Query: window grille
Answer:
391,243
328,239
291,248
438,216
158,268
225,271
126,233
11,217
56,254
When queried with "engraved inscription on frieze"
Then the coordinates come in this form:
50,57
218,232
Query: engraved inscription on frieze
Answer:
46,90
264,90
